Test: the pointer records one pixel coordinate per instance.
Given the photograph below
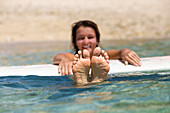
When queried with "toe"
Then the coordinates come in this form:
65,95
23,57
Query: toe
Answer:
86,54
103,53
106,56
80,54
75,59
97,51
76,56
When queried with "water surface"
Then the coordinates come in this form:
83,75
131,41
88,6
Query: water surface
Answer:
120,93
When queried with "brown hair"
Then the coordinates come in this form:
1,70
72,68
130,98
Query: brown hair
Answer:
85,23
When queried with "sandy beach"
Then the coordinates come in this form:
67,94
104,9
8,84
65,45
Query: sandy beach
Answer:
51,20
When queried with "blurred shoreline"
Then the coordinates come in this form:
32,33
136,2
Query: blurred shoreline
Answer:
61,45
51,20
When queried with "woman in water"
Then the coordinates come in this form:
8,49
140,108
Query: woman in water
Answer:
85,40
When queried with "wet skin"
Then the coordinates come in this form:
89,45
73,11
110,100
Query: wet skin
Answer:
99,65
86,40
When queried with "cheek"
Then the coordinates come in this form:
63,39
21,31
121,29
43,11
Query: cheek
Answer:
79,43
94,42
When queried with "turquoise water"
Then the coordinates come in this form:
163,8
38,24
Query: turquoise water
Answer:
120,93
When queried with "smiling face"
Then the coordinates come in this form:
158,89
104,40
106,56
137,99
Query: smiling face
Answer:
86,39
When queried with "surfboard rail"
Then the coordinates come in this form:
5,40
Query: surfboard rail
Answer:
161,63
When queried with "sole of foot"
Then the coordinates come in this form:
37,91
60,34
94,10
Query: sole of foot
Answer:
100,65
81,67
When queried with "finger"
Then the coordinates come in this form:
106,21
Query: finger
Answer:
131,57
136,59
130,61
62,70
66,70
69,69
135,56
126,62
59,69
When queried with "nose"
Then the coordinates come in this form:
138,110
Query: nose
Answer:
86,40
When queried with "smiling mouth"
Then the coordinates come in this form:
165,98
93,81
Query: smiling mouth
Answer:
86,47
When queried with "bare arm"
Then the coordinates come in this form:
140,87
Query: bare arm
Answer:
59,57
65,62
113,54
126,55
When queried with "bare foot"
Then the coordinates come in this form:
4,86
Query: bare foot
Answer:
81,67
100,65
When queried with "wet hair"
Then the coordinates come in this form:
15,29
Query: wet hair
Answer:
84,23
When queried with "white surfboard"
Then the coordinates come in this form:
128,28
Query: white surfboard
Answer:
148,64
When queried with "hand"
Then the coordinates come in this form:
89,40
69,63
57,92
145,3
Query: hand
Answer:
130,57
65,67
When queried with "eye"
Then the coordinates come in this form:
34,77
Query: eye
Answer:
80,38
90,37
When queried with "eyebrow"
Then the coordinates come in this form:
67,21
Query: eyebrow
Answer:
87,35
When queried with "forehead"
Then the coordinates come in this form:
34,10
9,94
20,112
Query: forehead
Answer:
85,30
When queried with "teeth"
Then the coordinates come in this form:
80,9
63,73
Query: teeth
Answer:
85,47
